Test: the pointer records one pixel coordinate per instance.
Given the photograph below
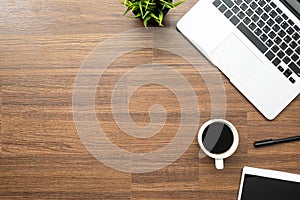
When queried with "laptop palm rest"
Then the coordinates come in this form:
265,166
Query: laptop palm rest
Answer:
235,60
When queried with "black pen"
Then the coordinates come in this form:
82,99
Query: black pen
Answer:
270,141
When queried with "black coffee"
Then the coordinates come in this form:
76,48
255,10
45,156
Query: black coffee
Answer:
217,138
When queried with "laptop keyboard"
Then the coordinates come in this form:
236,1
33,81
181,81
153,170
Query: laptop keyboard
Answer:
269,29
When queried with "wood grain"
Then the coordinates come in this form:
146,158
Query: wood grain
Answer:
42,46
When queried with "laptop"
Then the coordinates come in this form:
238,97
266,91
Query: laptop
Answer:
267,184
255,43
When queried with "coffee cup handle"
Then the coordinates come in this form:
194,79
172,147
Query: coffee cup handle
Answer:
219,163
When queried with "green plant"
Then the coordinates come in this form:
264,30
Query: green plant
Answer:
150,10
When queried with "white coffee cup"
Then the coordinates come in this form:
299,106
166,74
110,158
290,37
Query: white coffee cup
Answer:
218,139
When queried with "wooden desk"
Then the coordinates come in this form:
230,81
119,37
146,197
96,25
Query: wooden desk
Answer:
42,46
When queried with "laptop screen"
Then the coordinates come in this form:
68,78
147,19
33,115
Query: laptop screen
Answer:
293,6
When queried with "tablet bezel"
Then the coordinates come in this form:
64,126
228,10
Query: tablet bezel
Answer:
267,174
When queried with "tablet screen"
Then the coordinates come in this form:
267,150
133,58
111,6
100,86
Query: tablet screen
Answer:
262,188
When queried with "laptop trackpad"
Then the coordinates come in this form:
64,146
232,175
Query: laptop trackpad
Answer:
235,60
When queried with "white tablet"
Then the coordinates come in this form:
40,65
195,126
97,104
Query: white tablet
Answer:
262,184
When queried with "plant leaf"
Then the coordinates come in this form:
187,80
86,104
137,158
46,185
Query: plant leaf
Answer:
137,16
161,16
147,12
146,21
178,3
167,4
154,16
127,10
141,9
149,9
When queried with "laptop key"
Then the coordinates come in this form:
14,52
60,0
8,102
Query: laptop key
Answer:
286,60
258,32
287,39
296,36
249,12
289,51
273,5
295,57
266,29
284,25
285,16
252,26
278,19
229,3
270,55
281,33
287,72
273,14
265,17
276,62
263,37
272,34
280,54
267,8
260,23
262,3
283,46
293,45
291,22
241,15
279,10
247,21
234,20
290,30
253,5
270,22
292,80
275,48
276,28
222,8
270,43
228,14
295,68
217,3
298,50
280,68
244,7
238,2
259,11
278,40
235,9
248,33
255,18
